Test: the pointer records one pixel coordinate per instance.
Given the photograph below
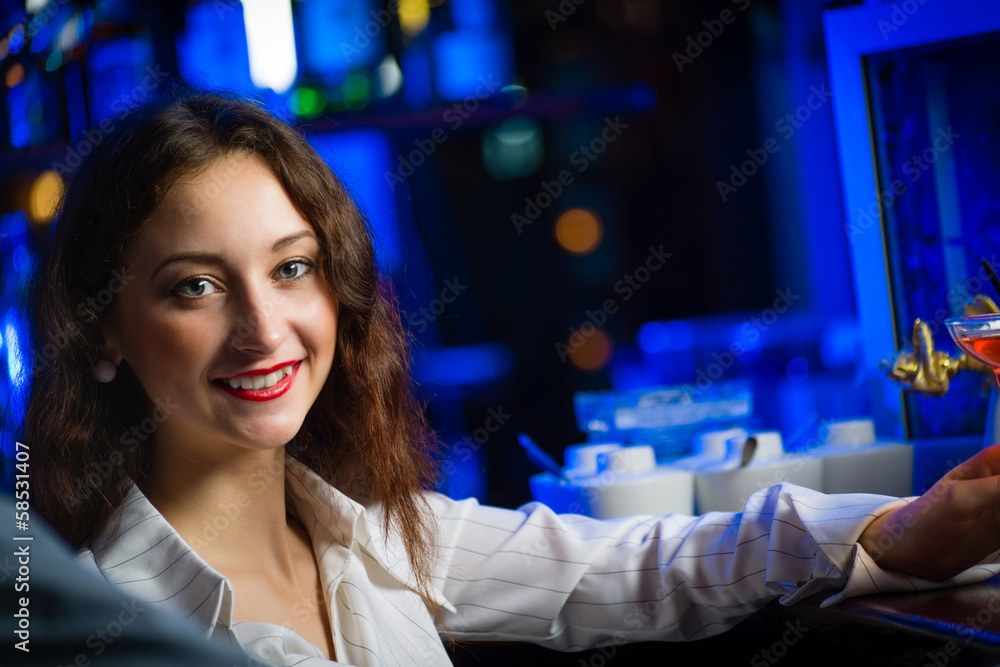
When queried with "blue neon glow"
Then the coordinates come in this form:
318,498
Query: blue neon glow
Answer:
13,225
416,66
15,360
462,473
798,370
341,34
16,39
643,96
84,25
360,159
22,260
17,107
630,375
653,337
467,365
212,52
841,343
115,68
662,336
41,39
749,338
471,63
473,13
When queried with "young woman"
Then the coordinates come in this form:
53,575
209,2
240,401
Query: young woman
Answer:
222,422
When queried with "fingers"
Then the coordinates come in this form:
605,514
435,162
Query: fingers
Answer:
985,463
971,497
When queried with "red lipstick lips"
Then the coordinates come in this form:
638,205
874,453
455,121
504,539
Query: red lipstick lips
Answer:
283,384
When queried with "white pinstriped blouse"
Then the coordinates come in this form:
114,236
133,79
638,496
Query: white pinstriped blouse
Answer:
564,581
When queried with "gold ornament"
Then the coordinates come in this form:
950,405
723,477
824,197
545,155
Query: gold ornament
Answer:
927,370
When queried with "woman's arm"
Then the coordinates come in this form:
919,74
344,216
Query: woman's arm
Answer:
570,582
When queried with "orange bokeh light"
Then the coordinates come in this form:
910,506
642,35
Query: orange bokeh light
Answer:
594,352
15,75
579,231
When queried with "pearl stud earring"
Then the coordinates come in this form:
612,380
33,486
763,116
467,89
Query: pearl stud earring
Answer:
104,370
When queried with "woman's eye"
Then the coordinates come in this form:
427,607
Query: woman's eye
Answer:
293,270
195,287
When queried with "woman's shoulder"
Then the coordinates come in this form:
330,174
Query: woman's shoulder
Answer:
85,559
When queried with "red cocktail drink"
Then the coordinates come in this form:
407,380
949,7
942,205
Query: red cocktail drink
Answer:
979,337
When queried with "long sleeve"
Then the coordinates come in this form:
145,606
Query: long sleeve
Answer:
569,582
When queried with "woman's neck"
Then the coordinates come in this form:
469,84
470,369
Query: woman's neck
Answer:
225,509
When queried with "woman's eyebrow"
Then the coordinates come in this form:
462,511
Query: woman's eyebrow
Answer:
209,258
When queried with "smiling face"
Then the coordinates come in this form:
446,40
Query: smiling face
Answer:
227,320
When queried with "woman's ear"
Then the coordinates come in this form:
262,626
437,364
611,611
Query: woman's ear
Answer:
107,344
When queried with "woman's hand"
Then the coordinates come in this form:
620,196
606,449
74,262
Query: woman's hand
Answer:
950,528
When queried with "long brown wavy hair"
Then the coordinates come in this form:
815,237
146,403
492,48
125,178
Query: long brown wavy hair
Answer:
366,433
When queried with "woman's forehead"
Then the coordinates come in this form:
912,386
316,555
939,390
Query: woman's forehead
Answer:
235,203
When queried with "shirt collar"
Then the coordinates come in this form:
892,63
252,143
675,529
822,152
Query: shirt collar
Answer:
353,524
148,559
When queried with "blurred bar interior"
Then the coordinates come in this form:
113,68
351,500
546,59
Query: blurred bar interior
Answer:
726,213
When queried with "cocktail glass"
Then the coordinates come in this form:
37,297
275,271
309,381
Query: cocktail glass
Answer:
979,337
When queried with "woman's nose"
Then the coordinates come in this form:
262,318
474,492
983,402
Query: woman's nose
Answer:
259,324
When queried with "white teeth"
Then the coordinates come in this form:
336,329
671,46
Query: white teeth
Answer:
258,382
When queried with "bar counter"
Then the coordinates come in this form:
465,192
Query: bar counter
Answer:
954,626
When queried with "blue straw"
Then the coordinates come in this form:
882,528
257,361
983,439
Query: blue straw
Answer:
538,456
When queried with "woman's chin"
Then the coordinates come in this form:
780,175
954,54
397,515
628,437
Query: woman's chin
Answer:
268,441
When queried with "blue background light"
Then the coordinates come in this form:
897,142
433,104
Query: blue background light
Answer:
361,159
212,51
468,62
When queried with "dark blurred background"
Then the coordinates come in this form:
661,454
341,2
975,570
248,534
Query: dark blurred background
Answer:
569,195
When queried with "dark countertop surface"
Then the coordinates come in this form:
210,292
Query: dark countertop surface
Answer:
954,626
